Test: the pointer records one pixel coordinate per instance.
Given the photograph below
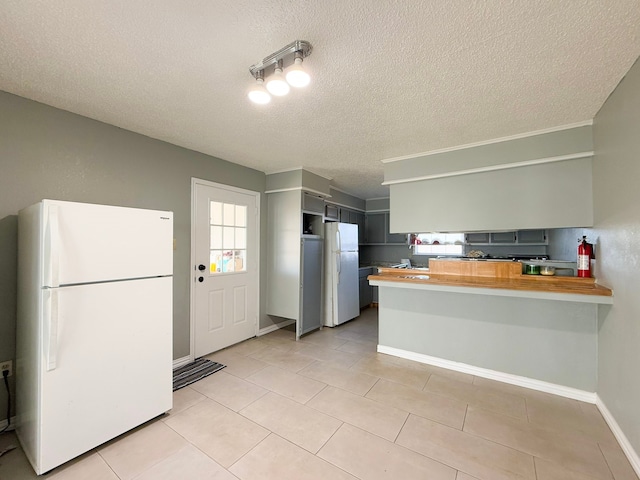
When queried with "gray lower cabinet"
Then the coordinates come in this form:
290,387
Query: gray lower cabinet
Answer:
366,290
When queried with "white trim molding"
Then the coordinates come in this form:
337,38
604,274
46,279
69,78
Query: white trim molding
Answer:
285,170
533,384
489,142
303,189
492,168
274,327
181,362
628,450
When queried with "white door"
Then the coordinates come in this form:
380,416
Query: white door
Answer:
225,266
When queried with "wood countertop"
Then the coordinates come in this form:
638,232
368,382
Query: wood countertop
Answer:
494,276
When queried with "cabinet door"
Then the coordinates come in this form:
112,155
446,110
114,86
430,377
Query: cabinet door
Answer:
359,220
503,237
366,294
375,228
477,238
331,213
312,204
393,237
532,236
344,215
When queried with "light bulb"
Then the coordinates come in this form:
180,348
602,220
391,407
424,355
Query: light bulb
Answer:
276,83
258,94
296,76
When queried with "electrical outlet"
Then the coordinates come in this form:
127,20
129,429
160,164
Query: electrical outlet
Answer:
7,365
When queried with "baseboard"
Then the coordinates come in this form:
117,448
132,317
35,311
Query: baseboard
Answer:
180,362
628,450
561,390
273,328
3,424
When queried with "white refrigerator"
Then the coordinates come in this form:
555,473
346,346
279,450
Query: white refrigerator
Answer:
94,330
341,283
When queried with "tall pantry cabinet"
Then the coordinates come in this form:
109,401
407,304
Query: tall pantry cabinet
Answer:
295,258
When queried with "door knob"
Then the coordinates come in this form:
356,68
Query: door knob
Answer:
201,267
201,279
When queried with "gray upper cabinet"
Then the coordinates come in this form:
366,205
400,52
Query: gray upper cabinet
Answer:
521,237
345,215
395,238
531,237
377,230
312,203
360,221
503,237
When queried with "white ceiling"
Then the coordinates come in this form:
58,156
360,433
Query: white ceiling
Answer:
389,78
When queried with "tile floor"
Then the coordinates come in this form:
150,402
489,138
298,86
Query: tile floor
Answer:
330,407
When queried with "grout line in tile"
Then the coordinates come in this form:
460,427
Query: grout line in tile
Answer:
606,461
399,431
371,388
464,420
107,463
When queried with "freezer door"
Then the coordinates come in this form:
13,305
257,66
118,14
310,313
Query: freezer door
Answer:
86,243
347,237
347,305
113,368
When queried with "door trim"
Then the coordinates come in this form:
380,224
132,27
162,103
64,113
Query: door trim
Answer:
192,257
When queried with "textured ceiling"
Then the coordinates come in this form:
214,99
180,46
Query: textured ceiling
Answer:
389,78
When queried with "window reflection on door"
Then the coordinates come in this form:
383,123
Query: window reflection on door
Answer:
228,238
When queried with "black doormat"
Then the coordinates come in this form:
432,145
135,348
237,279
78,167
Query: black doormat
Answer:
193,372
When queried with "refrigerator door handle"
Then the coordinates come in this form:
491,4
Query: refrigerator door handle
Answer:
52,336
54,246
338,267
338,240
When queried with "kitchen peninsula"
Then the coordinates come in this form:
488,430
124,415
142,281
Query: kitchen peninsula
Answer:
488,319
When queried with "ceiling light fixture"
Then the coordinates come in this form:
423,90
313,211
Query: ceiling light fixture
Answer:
296,75
272,67
258,94
276,84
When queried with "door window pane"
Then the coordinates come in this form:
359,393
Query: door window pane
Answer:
229,214
241,238
216,213
216,237
228,238
241,216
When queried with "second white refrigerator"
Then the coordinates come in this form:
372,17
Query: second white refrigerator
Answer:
94,333
341,292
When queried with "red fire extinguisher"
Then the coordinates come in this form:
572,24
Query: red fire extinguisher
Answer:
585,254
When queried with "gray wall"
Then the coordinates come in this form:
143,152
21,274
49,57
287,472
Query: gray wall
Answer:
346,200
50,153
548,340
617,230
